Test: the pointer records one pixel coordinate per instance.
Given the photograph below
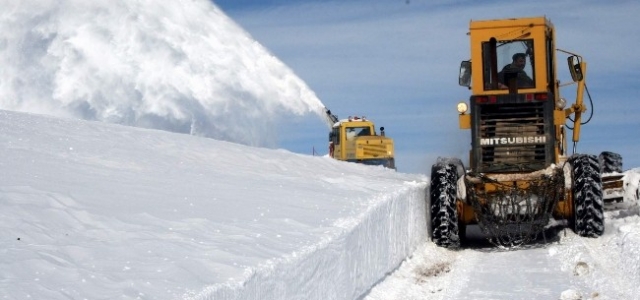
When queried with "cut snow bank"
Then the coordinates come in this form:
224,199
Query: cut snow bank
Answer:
345,264
91,210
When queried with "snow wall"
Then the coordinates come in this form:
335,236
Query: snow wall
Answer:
345,266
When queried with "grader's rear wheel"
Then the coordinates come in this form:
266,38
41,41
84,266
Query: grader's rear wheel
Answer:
610,162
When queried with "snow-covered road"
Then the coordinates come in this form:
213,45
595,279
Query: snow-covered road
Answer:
566,266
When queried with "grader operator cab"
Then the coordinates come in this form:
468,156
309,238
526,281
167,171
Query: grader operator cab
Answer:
355,140
520,175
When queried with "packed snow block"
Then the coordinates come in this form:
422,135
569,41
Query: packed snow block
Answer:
629,246
344,265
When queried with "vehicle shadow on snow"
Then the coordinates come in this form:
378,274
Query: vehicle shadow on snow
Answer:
475,239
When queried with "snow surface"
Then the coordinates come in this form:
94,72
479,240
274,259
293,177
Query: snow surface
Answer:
98,211
94,210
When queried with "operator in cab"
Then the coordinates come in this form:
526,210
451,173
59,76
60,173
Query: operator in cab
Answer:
515,70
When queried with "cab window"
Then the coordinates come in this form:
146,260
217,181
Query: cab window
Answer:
352,132
513,64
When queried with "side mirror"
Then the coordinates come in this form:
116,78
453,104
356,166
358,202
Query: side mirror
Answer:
464,78
575,68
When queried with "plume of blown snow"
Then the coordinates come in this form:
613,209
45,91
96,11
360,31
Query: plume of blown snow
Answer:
181,66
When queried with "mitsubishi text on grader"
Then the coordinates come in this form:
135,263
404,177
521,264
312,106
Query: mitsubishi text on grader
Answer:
520,174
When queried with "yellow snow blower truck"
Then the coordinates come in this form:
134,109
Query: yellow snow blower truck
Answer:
355,140
519,174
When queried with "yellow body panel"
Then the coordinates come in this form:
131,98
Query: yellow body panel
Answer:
466,214
465,121
559,117
564,208
369,147
508,29
538,29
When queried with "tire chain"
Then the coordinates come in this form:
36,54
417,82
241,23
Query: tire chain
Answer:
513,216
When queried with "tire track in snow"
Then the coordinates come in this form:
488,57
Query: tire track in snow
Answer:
562,269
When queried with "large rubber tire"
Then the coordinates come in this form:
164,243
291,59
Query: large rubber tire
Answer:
444,216
588,206
453,161
610,162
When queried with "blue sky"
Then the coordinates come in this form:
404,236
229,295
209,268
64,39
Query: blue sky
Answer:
186,67
396,62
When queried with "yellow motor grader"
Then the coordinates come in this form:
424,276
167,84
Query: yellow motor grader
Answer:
519,175
355,140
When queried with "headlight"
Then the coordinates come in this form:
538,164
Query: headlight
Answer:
561,103
462,107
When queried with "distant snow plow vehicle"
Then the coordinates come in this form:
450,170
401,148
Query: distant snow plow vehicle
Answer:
355,140
612,176
519,174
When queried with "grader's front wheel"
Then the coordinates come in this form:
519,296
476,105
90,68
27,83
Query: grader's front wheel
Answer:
588,212
444,216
